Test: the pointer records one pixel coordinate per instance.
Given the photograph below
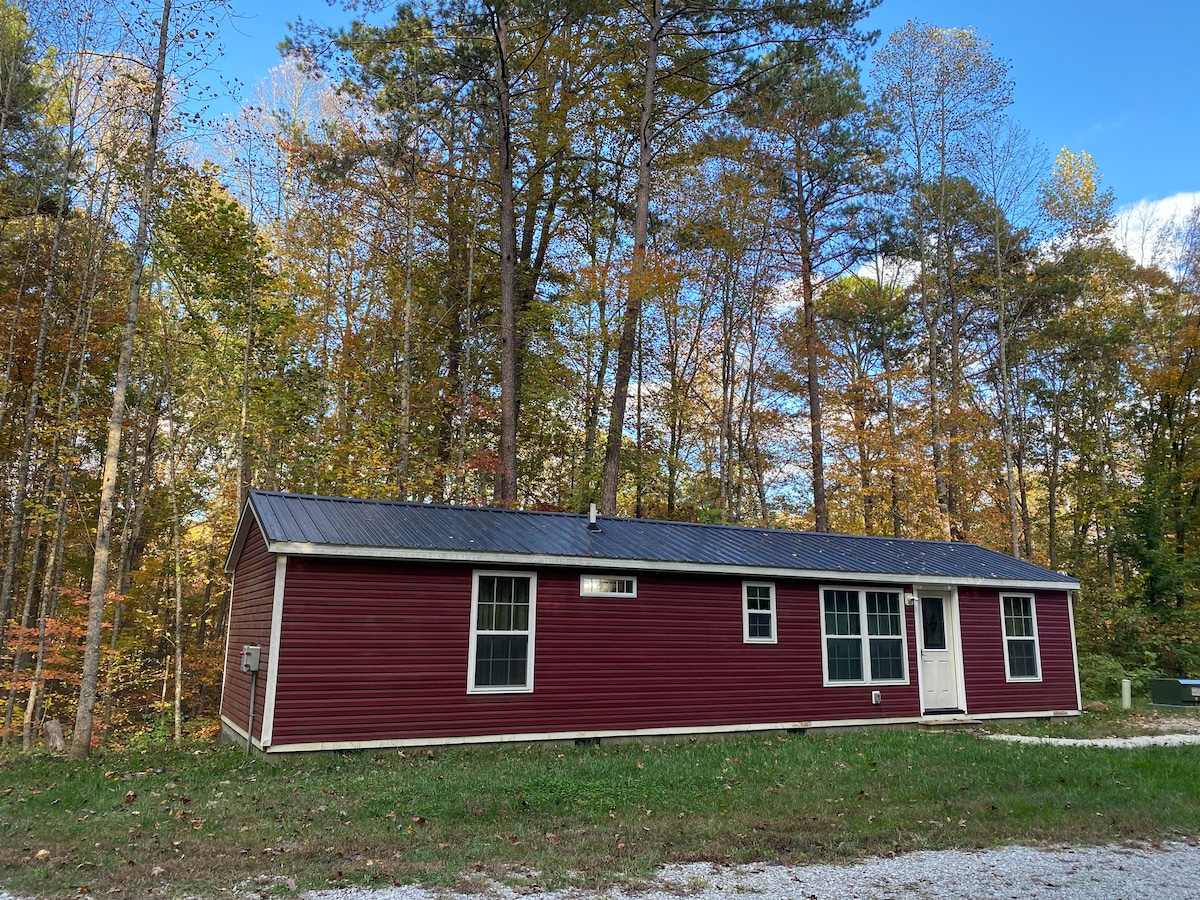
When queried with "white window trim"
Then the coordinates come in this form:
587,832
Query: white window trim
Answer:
1037,644
586,593
526,688
864,637
746,639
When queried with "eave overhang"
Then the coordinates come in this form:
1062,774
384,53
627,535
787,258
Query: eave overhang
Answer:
293,548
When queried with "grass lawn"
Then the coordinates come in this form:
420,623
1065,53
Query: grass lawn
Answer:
205,819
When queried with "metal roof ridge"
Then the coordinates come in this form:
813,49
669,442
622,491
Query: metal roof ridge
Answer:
773,529
376,501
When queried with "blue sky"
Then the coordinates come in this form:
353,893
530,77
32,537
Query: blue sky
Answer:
1119,81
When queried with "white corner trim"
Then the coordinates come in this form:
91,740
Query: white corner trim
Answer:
239,731
960,668
1074,651
268,711
228,637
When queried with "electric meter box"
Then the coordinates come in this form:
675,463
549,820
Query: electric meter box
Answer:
250,657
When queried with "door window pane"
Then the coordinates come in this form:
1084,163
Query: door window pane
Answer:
933,622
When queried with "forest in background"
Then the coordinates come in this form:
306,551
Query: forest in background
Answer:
730,263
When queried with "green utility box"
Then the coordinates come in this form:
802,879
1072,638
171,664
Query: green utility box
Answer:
1175,691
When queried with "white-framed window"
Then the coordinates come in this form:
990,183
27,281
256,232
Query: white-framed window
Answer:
502,619
758,613
607,586
1022,656
863,638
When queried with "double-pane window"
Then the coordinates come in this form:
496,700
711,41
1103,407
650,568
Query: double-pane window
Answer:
858,650
1020,638
758,613
502,633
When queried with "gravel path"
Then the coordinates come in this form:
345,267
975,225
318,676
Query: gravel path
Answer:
1142,740
1143,872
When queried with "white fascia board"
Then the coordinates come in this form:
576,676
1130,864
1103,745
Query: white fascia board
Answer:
239,536
293,548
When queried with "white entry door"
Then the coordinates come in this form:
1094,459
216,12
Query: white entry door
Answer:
939,654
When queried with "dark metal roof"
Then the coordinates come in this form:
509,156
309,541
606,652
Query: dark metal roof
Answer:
341,525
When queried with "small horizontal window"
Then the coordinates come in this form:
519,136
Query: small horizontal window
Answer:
607,586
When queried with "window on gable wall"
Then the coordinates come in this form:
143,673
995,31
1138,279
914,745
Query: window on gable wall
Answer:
502,616
758,613
864,637
1021,654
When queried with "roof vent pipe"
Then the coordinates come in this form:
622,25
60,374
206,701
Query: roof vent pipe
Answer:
592,526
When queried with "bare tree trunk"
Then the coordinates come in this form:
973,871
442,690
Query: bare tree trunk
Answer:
1052,479
172,476
466,376
81,739
637,288
506,480
1006,421
893,479
49,585
247,346
813,378
20,654
20,491
406,383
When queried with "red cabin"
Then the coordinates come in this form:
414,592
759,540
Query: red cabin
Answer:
382,624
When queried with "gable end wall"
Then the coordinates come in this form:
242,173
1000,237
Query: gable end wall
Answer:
249,623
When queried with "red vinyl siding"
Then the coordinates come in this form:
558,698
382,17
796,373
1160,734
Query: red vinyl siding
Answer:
379,650
249,623
988,691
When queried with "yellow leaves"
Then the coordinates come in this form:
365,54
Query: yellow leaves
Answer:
1073,199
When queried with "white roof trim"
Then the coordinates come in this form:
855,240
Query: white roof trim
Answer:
296,548
239,536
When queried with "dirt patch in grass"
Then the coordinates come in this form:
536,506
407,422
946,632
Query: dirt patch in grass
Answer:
1104,723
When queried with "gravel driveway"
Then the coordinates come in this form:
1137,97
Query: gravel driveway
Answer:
1144,872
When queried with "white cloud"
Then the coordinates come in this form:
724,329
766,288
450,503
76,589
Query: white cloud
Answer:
1143,229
